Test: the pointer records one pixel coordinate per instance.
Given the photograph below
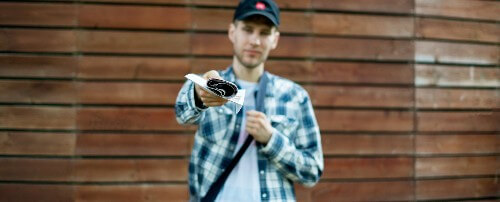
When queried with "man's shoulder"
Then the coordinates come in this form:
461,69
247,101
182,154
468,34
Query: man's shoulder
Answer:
286,86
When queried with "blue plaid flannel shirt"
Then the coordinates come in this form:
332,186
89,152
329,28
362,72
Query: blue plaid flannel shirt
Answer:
293,154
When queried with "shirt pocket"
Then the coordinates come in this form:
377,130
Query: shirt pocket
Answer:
286,125
217,124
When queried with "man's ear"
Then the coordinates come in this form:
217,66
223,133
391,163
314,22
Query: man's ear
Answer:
276,39
230,32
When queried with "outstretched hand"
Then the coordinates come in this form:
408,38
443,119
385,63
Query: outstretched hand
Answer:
207,98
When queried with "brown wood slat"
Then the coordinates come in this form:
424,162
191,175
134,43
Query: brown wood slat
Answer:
132,193
37,14
438,75
456,188
21,169
211,19
457,98
360,96
37,117
29,91
385,6
107,67
456,166
23,143
357,191
456,30
458,121
211,44
295,22
356,168
38,66
281,3
128,93
351,72
127,119
362,25
487,10
131,170
144,17
446,52
356,120
37,40
133,144
133,42
457,144
146,1
373,49
366,144
29,192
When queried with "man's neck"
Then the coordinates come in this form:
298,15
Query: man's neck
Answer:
247,74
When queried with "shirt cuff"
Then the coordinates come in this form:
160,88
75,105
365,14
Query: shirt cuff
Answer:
274,146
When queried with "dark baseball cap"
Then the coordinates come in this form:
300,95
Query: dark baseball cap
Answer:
266,8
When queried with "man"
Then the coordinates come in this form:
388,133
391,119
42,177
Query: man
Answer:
287,145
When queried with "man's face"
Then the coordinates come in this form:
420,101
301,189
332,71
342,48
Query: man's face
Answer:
252,41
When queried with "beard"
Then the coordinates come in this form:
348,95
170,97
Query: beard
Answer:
249,64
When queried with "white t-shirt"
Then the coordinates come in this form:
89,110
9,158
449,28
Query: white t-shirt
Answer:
242,185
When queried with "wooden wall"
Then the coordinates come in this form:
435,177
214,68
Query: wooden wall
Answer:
405,92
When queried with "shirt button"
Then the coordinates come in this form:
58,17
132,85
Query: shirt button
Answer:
264,195
261,172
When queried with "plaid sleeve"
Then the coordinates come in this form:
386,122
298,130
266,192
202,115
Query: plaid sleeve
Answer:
186,110
300,159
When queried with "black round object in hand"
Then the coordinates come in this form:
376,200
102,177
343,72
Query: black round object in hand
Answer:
222,88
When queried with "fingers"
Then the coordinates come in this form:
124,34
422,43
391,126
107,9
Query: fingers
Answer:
212,74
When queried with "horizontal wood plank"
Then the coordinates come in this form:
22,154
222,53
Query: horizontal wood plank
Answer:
358,168
132,193
356,120
360,96
38,40
362,25
370,49
149,119
31,91
128,93
94,170
456,144
456,30
367,144
458,121
38,14
38,66
439,75
457,98
30,192
485,10
446,52
131,170
456,188
133,144
107,67
384,6
357,191
25,143
456,166
30,117
27,169
145,17
133,42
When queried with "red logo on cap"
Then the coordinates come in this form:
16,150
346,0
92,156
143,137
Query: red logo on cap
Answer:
260,6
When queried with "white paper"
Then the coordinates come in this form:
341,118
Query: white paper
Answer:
237,99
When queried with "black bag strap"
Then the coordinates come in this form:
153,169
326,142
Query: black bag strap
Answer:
219,183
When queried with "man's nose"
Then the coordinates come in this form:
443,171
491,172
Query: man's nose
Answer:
255,39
